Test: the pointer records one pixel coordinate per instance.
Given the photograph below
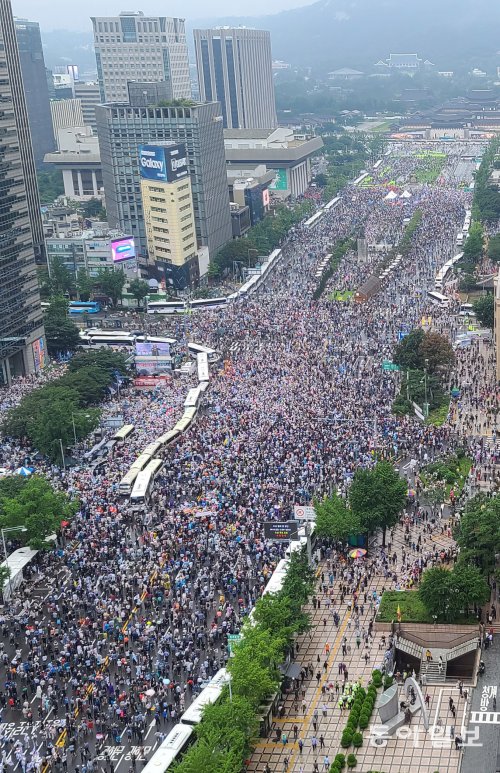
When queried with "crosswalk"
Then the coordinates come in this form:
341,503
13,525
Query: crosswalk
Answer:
485,717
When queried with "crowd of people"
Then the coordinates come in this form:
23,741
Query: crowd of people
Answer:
298,402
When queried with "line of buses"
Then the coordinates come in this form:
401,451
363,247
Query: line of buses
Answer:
138,482
182,734
252,284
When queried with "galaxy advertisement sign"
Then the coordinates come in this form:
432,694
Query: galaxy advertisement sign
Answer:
123,249
163,163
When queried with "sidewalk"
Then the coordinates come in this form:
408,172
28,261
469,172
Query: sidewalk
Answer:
420,751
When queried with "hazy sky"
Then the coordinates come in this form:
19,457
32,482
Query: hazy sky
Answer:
61,14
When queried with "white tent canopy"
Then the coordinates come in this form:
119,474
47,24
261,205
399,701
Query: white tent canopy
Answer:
390,196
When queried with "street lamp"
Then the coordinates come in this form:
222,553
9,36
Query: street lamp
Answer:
62,453
4,531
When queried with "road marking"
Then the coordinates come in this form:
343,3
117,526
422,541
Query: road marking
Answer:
485,717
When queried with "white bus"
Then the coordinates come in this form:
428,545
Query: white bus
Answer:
195,349
203,372
193,398
211,694
144,482
122,434
171,750
166,307
438,299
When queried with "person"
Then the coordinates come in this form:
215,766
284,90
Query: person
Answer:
428,655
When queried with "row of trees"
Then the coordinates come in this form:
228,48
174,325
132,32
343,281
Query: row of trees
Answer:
376,498
33,505
262,239
226,734
109,282
416,353
64,410
450,594
486,204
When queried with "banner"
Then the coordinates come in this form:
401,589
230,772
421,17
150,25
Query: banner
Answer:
281,531
304,513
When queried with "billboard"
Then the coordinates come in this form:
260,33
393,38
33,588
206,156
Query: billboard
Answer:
163,163
38,347
150,382
280,182
152,349
122,249
149,366
281,531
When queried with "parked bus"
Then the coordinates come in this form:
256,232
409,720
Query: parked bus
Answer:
84,307
195,349
166,307
122,434
438,299
144,482
170,750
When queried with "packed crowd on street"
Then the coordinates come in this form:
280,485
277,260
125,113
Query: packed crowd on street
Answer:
112,655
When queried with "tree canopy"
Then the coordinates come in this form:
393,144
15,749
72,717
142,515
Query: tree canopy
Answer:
377,496
138,288
112,282
447,594
417,346
37,508
485,310
478,533
335,520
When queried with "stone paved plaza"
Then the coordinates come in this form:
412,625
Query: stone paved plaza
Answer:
425,752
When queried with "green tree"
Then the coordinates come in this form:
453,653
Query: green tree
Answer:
435,590
138,289
58,307
62,335
48,430
50,185
235,723
99,359
377,496
112,283
39,509
93,208
407,353
254,670
334,520
474,244
321,180
437,350
485,310
493,249
84,285
89,383
469,586
17,421
60,280
447,594
478,533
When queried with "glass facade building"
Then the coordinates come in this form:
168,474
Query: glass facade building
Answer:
22,344
123,128
235,68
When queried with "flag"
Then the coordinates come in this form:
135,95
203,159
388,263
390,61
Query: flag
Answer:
399,614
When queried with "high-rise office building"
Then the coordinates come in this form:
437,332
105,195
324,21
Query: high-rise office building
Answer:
123,128
35,87
89,95
169,214
235,68
134,47
22,342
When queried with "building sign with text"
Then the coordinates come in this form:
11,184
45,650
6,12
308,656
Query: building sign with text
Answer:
281,531
163,163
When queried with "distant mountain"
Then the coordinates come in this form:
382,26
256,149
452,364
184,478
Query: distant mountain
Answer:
454,34
61,47
356,33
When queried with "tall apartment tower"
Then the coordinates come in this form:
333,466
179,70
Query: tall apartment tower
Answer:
36,88
235,68
22,342
134,47
122,129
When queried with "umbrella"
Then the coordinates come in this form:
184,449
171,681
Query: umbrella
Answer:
150,692
358,553
24,471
